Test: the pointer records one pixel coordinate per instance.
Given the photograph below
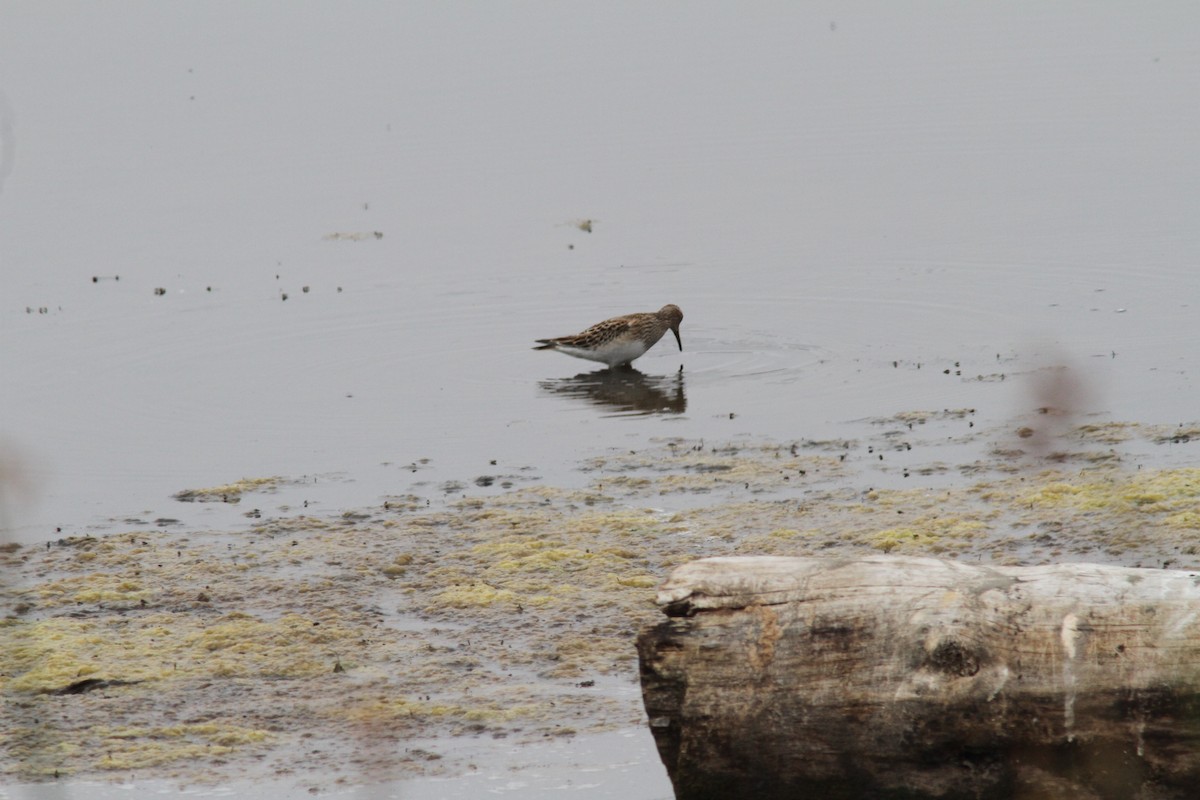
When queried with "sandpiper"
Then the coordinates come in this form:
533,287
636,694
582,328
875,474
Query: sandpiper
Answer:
618,341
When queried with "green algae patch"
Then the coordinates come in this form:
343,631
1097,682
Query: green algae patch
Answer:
42,754
923,417
1176,492
50,655
128,748
398,567
1179,434
930,535
229,492
474,595
94,588
1189,519
623,522
785,534
415,712
637,581
292,646
532,554
688,467
1108,432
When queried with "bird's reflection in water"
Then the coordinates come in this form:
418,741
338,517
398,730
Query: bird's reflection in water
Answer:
625,390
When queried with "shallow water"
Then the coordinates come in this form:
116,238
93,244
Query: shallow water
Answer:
860,211
621,764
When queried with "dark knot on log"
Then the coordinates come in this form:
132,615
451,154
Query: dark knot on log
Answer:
952,657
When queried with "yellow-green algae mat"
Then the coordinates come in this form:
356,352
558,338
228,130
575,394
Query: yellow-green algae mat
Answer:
360,647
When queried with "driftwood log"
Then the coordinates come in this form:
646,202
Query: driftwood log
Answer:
884,677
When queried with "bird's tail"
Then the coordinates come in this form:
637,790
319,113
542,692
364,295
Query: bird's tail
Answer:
544,344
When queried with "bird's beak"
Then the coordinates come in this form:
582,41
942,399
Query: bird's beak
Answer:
676,332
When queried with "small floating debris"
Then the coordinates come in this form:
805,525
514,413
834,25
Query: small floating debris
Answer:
584,225
228,493
358,236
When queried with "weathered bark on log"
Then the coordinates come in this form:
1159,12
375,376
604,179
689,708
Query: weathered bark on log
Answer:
915,677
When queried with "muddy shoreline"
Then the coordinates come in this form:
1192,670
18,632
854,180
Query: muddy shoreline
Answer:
372,646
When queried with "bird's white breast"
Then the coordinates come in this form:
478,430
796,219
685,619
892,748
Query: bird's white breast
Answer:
611,353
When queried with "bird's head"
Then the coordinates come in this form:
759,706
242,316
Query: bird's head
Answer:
672,316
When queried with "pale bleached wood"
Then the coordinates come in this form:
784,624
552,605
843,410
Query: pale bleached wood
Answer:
916,677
